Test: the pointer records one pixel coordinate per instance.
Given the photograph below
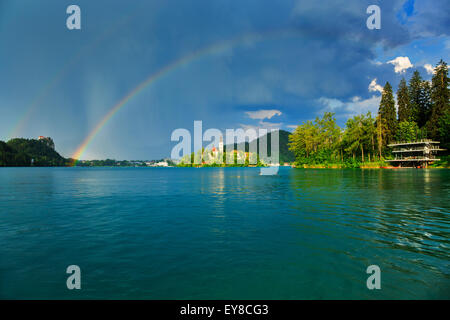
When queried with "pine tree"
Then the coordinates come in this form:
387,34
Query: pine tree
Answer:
404,111
444,130
424,104
415,85
440,95
388,114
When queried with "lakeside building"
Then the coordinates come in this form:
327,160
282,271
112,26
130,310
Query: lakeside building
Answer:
417,154
159,164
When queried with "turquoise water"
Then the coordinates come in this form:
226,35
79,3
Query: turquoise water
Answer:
214,233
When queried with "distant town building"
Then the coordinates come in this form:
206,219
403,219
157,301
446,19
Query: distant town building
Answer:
215,152
157,164
221,144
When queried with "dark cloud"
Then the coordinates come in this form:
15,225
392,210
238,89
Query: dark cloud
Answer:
430,18
299,53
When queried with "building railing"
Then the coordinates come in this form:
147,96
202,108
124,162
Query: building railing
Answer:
433,148
421,141
414,158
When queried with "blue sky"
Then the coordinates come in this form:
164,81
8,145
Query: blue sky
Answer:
286,62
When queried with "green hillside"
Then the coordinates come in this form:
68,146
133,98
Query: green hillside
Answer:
30,152
11,157
285,154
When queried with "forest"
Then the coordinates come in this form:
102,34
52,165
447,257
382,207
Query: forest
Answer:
423,112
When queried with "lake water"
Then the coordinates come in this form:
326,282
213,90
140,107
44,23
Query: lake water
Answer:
214,233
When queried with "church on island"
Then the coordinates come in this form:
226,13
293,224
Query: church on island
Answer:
217,156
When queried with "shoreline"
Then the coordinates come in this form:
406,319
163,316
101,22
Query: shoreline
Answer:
303,167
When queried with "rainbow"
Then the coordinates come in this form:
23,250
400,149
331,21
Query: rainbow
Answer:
166,70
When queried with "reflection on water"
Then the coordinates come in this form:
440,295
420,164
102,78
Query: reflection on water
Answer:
181,233
399,219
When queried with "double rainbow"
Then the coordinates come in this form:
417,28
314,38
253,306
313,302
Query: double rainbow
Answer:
166,70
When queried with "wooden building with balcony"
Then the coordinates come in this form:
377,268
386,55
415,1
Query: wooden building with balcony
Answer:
417,154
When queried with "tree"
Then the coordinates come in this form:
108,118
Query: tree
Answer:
360,135
425,104
404,109
407,131
440,99
370,134
316,141
444,130
11,157
415,87
381,132
329,130
388,114
353,136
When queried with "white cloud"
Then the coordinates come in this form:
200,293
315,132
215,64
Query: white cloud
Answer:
353,107
331,104
263,114
373,86
401,64
429,68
